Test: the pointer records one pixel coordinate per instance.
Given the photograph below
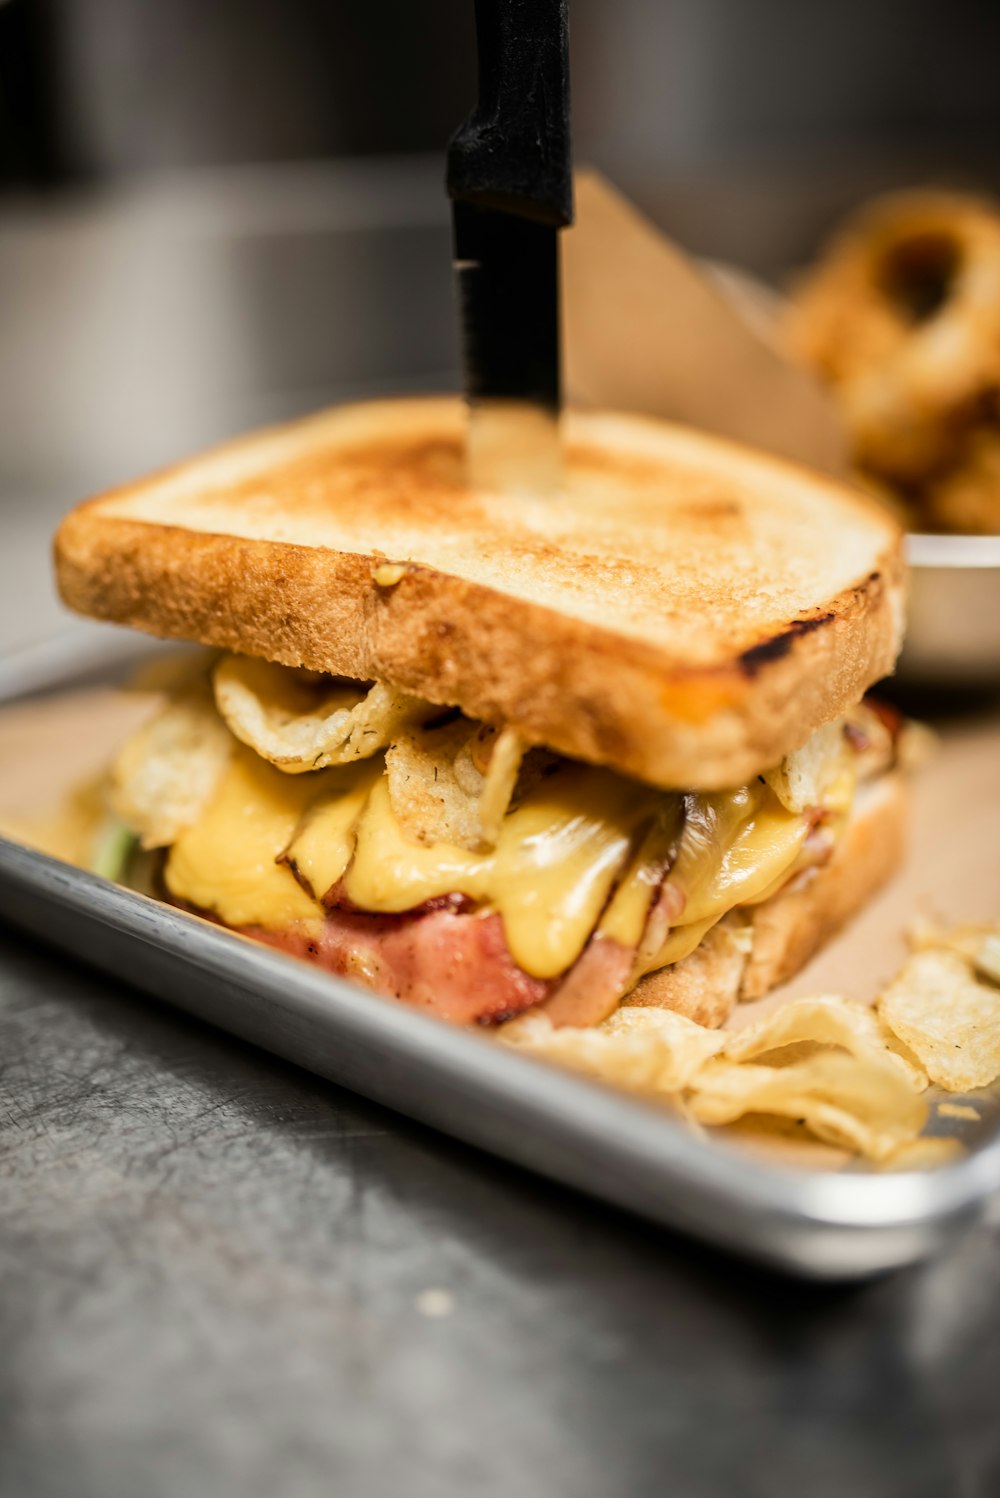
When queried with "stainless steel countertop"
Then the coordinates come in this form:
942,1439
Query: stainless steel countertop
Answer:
216,1277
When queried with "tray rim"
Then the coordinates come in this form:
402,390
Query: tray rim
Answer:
815,1224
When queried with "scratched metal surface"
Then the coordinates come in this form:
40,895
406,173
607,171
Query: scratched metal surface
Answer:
213,1277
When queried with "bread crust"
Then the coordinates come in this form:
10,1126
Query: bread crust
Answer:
637,701
793,925
797,922
704,986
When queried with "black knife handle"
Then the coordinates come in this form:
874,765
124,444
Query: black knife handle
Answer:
508,290
512,154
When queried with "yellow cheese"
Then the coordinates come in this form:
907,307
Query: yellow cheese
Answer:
583,841
558,857
679,944
625,918
324,842
556,861
735,845
391,872
226,862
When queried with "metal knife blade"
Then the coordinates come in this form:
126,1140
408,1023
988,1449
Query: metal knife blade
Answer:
509,178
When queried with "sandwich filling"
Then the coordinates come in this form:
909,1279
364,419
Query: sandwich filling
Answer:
447,863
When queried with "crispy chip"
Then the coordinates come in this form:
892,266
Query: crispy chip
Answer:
453,784
875,745
804,776
825,1021
168,769
921,932
916,746
987,958
434,785
949,1020
644,1050
833,1074
925,1154
849,1075
959,1110
501,778
968,940
863,1106
302,722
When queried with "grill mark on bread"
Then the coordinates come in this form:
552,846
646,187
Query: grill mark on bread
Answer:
758,656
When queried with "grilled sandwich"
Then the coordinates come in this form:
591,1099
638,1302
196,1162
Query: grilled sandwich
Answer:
485,753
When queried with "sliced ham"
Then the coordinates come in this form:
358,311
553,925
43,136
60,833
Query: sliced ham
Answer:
456,964
453,964
593,987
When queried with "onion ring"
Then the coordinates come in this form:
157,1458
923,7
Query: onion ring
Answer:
902,319
966,498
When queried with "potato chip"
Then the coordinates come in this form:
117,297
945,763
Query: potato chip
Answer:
987,958
501,778
916,745
434,785
453,783
690,1043
949,1020
805,776
922,932
830,1073
167,771
643,1050
300,721
970,940
958,1110
925,1154
876,746
866,1107
825,1021
851,1076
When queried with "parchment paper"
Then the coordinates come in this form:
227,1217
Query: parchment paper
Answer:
49,747
647,329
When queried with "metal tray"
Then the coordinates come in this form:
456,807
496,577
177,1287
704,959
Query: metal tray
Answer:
818,1224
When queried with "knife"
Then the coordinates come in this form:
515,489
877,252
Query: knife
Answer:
509,178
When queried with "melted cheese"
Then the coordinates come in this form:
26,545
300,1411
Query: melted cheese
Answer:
625,918
735,845
226,862
323,844
680,944
555,863
583,841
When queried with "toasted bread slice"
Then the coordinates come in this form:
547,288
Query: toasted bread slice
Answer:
791,927
687,610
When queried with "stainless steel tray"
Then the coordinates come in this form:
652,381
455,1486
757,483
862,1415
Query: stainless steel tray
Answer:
819,1224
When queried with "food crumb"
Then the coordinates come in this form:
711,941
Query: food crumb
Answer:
958,1110
435,1304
